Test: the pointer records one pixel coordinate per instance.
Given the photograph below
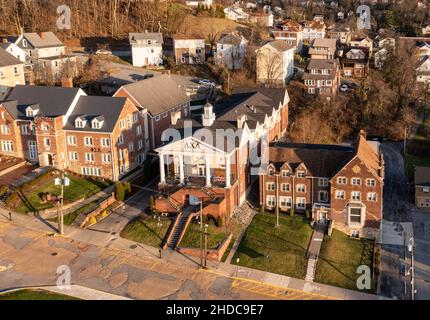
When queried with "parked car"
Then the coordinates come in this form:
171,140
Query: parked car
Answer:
205,82
344,88
103,52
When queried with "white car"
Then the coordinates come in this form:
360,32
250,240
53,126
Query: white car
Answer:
344,88
205,82
103,52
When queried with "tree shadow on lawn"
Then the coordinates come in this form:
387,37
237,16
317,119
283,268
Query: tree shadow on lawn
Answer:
142,222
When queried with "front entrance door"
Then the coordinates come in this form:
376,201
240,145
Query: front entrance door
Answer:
322,217
50,160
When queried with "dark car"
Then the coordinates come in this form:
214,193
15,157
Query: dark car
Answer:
378,138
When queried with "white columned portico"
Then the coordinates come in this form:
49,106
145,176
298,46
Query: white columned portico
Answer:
162,173
227,172
208,171
181,169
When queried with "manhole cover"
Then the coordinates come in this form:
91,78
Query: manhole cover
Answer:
54,254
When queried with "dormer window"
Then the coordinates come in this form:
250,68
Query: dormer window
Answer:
24,43
80,123
301,174
97,123
31,112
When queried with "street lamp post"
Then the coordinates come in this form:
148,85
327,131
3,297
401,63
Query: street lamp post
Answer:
206,246
412,271
63,182
201,233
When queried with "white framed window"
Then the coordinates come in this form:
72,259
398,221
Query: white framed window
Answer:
88,141
271,186
105,142
300,203
323,182
89,157
157,118
106,158
122,124
356,195
301,174
285,202
285,173
165,114
89,171
47,142
32,149
131,147
370,182
301,188
25,129
71,140
73,155
355,215
271,201
340,194
5,129
45,127
120,139
323,196
129,123
7,146
135,117
3,115
138,130
311,90
121,155
372,196
285,187
342,180
139,144
356,181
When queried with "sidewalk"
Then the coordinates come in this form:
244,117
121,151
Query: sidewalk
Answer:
114,242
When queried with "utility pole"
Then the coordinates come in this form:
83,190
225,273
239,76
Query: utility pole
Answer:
411,249
277,201
62,182
404,141
206,246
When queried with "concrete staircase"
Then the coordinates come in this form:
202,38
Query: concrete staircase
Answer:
177,230
312,265
314,251
243,214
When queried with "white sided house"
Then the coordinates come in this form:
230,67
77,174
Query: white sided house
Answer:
14,50
423,71
40,46
230,51
146,48
275,62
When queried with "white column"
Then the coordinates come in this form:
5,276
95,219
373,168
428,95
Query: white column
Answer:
227,172
208,172
181,169
162,174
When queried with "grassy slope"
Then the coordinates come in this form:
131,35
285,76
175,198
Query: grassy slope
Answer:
146,231
34,295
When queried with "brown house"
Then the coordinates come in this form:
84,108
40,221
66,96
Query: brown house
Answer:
162,102
422,188
355,62
291,32
341,185
64,128
322,77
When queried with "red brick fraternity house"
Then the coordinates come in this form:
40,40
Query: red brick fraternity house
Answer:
64,128
337,185
209,167
161,100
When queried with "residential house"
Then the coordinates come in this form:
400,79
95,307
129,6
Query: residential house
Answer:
14,50
380,42
426,30
341,186
11,72
201,3
380,58
211,164
322,77
422,188
64,128
231,51
46,53
423,71
275,62
188,49
340,32
422,49
162,102
291,32
314,30
235,13
355,62
264,19
362,42
323,49
146,49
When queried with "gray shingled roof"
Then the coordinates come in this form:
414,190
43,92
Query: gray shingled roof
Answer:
6,59
107,109
230,38
146,36
48,39
280,45
52,101
157,94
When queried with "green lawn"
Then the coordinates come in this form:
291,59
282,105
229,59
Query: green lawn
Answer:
146,231
339,259
78,188
72,216
215,238
412,161
34,295
278,250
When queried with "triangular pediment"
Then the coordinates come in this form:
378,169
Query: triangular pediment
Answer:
189,145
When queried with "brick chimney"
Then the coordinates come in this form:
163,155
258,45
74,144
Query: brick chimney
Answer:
67,82
363,133
42,35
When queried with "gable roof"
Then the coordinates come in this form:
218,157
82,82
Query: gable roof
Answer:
157,94
106,109
321,160
279,45
6,59
367,154
231,38
43,40
52,101
157,36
